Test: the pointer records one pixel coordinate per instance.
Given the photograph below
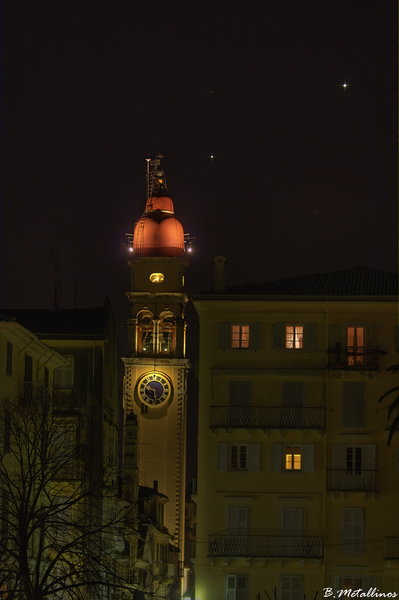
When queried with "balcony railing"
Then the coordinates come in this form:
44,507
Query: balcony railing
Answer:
363,480
254,544
267,417
164,570
73,470
391,548
354,359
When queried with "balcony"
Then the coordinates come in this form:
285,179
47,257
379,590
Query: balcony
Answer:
352,359
256,544
391,548
163,570
345,480
266,417
70,471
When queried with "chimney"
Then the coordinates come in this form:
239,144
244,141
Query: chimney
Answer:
155,488
219,273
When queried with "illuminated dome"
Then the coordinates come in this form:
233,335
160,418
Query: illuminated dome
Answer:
158,232
163,203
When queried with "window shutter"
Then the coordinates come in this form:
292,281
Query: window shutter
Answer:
276,458
354,413
278,336
293,394
239,393
338,456
397,459
308,462
255,336
254,457
309,336
397,338
28,368
352,530
222,456
224,336
336,585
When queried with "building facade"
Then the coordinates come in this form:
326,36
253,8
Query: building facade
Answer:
297,488
156,367
67,364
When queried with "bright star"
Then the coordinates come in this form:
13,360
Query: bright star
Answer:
212,156
344,85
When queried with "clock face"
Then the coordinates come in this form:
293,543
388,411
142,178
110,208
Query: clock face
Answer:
154,388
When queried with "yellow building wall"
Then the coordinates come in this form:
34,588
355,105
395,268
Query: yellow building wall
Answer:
266,492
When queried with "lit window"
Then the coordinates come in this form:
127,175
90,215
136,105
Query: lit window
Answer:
355,344
145,332
239,336
167,333
157,277
293,458
294,337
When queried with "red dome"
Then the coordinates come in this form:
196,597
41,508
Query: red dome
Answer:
163,203
159,239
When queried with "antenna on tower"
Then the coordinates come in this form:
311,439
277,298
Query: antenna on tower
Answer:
54,259
156,180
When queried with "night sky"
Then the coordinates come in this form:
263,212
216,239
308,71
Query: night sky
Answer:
304,177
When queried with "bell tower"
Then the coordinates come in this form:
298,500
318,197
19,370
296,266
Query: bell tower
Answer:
156,366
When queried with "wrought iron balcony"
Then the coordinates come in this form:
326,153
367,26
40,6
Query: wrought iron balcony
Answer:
70,471
391,548
360,480
255,544
354,359
163,570
267,417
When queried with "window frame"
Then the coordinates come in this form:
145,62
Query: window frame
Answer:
243,344
253,457
28,372
351,541
291,594
294,340
66,373
293,455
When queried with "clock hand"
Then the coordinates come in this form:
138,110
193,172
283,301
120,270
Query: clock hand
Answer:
153,390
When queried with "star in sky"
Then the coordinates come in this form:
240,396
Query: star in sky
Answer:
344,85
212,156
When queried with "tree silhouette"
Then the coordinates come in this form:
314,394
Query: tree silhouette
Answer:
61,518
395,404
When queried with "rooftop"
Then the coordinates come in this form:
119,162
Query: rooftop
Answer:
357,281
86,322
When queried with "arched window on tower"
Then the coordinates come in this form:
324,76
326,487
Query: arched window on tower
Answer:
167,332
145,332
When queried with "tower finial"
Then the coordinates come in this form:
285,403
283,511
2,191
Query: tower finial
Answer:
156,180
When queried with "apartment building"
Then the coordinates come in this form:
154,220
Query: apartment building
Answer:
297,488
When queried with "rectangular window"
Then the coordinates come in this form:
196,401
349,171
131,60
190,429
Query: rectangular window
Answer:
238,456
28,369
64,376
9,359
291,587
236,587
354,408
294,337
352,530
239,336
46,379
354,460
239,393
356,342
293,458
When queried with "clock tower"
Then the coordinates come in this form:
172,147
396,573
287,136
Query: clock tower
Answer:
156,366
